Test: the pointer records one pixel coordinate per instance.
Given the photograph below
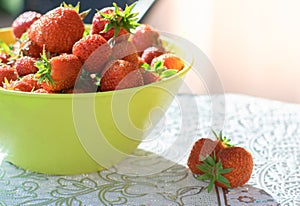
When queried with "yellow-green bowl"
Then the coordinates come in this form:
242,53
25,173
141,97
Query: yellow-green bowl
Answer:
81,133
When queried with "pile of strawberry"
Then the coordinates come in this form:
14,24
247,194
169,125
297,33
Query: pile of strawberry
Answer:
221,163
56,53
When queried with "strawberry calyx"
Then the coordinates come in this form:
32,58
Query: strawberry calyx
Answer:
76,8
44,66
70,6
120,19
213,171
223,139
159,69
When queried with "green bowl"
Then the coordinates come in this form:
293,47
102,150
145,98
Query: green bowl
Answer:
81,133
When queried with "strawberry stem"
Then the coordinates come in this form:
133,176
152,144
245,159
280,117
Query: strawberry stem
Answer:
222,138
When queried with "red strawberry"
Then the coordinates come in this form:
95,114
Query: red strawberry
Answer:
93,51
120,74
223,164
144,37
7,72
151,53
60,73
99,23
202,148
113,21
149,77
127,51
25,65
57,30
170,61
23,22
240,163
27,83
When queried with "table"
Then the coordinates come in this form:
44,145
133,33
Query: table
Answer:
156,174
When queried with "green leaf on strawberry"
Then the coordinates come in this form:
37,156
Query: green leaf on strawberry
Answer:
160,69
225,141
44,66
213,171
121,19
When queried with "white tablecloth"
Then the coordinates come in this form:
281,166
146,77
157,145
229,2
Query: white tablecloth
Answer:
156,174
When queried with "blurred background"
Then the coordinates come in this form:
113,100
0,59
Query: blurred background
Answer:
254,45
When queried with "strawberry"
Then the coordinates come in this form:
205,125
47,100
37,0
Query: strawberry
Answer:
239,161
144,37
227,167
120,74
113,21
25,65
99,23
151,53
170,61
57,30
27,83
58,73
127,51
7,73
204,147
93,51
23,22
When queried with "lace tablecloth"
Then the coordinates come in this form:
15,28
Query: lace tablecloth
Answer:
269,129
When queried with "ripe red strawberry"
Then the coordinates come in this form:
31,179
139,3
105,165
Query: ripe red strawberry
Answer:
240,161
60,73
27,83
23,22
57,30
99,23
127,51
7,72
113,21
144,37
149,77
120,74
25,65
224,165
93,51
170,61
152,52
202,148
